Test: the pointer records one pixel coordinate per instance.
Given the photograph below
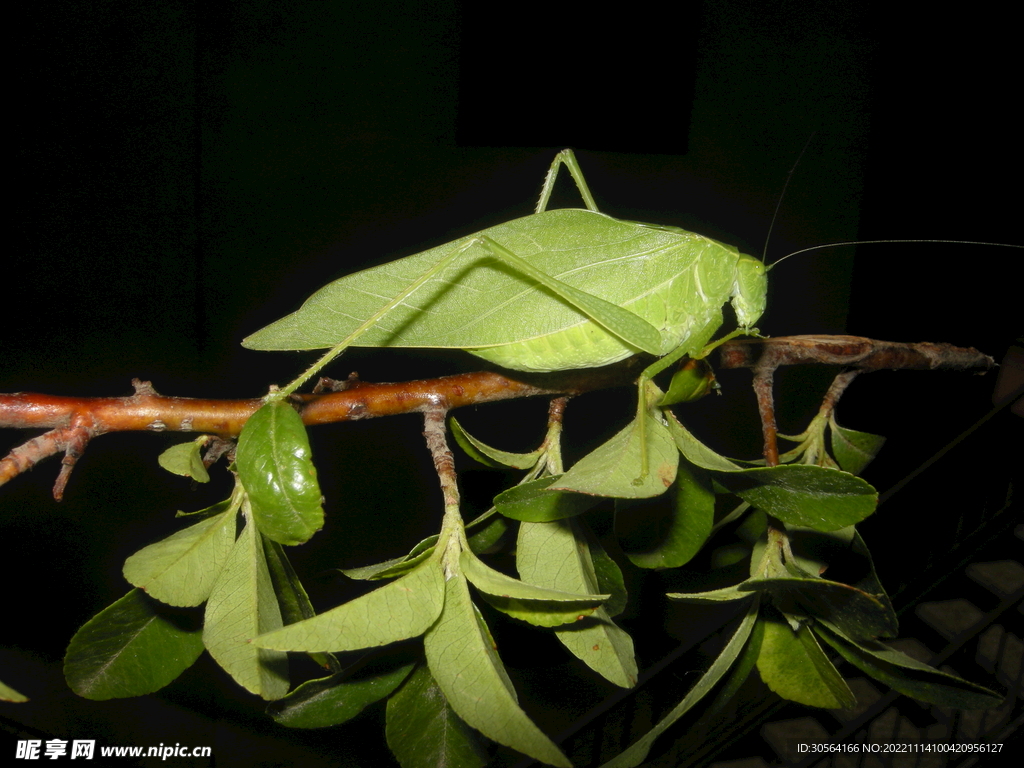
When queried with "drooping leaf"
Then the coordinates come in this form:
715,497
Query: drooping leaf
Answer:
862,615
534,502
669,531
275,467
182,569
130,648
637,752
291,595
854,450
793,665
557,555
607,571
483,533
185,459
724,595
464,662
694,450
423,730
243,605
488,456
907,675
398,610
616,468
798,494
9,694
336,699
493,582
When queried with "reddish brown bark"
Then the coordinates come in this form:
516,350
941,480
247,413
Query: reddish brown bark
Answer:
73,421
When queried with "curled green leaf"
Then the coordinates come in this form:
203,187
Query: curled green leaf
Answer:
276,469
185,459
488,456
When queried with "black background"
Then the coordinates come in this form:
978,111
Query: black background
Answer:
186,174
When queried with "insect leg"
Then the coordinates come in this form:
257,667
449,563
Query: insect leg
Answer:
567,158
621,322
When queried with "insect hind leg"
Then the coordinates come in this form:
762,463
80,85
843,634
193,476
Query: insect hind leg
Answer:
567,158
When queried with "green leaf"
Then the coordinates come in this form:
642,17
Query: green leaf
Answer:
465,664
793,665
669,531
691,382
607,571
540,606
423,730
274,465
813,497
130,648
291,595
854,450
241,606
907,675
637,752
725,595
533,502
335,699
488,456
557,555
799,494
694,450
862,615
215,509
398,610
185,459
182,569
9,694
613,469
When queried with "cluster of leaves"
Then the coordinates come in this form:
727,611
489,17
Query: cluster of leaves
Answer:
795,520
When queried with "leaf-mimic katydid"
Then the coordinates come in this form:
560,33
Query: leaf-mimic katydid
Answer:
557,290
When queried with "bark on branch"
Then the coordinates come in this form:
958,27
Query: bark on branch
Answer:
73,421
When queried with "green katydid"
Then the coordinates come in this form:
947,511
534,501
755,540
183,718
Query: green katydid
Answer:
557,290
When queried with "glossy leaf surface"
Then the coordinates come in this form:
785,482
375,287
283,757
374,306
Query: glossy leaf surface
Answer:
275,467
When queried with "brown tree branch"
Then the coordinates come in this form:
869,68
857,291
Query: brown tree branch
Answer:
73,421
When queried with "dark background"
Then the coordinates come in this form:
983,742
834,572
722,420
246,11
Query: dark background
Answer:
186,174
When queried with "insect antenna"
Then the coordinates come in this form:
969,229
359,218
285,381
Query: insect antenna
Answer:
782,196
877,242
